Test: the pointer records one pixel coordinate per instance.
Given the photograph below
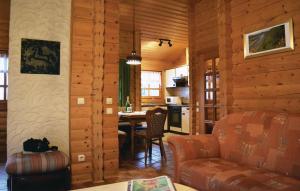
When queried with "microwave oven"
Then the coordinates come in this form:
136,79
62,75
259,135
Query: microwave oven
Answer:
173,100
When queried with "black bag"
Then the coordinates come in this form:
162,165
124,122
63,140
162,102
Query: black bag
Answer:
36,145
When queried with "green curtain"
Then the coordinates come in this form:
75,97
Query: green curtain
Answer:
124,82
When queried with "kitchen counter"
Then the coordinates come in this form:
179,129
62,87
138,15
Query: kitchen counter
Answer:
182,105
153,105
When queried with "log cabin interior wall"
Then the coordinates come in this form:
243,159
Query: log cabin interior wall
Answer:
203,44
94,68
4,38
4,24
269,82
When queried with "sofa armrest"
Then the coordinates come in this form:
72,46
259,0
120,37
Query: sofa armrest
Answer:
192,147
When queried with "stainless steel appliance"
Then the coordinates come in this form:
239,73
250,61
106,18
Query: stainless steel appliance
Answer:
174,118
173,100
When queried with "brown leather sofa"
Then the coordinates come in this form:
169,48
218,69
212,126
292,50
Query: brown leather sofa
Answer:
249,151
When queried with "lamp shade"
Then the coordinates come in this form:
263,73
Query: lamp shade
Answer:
134,59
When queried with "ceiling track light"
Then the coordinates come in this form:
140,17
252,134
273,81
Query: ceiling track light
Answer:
161,41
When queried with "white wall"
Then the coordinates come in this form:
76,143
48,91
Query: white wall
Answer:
38,105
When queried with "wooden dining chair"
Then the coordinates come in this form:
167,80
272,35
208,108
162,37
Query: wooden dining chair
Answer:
154,132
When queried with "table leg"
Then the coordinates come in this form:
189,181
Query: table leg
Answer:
132,124
132,142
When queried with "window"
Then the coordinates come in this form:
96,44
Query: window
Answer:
151,84
3,76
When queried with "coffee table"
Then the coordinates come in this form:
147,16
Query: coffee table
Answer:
122,186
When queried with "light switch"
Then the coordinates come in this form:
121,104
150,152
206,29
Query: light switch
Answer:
109,100
197,110
197,103
109,110
80,101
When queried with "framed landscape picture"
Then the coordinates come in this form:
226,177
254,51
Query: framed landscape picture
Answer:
278,38
40,57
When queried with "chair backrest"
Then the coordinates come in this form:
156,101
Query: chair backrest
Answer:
261,139
155,122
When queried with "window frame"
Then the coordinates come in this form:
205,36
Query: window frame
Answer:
149,89
5,76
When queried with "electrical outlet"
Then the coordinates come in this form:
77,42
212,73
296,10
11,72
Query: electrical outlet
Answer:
197,110
81,158
197,103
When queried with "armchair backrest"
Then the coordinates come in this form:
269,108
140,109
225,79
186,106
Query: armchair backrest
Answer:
261,139
155,122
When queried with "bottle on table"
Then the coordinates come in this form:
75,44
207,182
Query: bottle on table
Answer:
128,107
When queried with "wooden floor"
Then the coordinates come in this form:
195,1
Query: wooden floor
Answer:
129,169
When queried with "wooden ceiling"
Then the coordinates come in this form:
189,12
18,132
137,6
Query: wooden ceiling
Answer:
155,19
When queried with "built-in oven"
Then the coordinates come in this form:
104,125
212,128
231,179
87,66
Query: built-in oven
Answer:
174,118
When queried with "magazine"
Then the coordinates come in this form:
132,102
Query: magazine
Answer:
161,183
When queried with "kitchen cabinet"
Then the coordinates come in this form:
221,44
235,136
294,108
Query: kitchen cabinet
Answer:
177,72
182,71
170,74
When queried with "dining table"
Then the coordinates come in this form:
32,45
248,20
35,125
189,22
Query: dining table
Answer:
133,118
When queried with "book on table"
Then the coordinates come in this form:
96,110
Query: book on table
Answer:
161,183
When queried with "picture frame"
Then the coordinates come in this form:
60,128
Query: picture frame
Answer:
40,57
275,39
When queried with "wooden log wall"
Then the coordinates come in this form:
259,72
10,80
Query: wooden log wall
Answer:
156,65
94,76
203,44
3,131
4,24
270,82
225,54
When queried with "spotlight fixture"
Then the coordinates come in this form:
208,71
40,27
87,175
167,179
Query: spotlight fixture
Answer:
161,41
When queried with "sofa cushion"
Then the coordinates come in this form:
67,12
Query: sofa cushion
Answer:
261,139
32,163
216,174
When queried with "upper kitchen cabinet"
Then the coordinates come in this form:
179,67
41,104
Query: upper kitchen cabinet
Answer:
170,74
179,72
182,71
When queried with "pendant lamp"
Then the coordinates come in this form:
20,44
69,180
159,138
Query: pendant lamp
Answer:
134,58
